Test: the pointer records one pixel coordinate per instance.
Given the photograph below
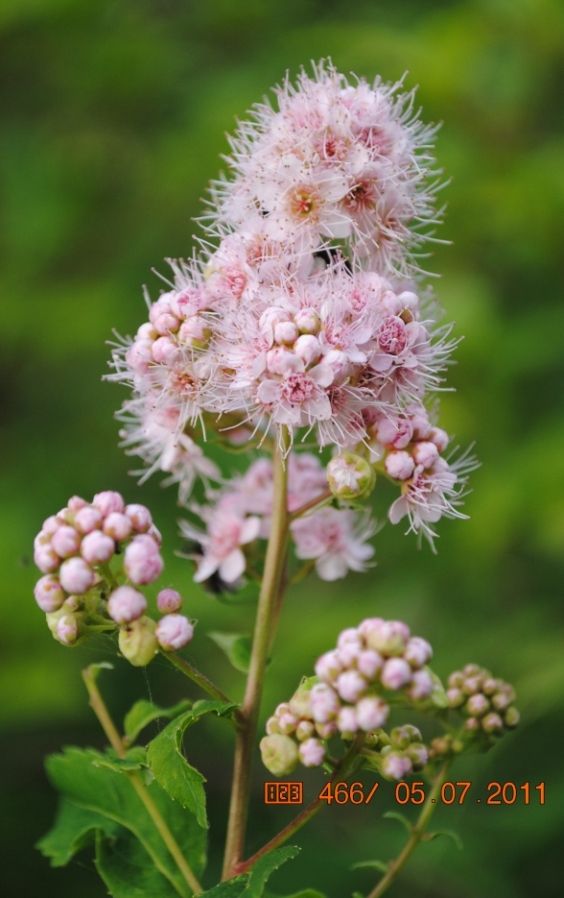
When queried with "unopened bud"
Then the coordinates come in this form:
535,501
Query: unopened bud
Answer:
49,594
174,631
138,643
350,476
311,753
126,604
279,754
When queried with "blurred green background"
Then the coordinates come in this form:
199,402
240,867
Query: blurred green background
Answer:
114,116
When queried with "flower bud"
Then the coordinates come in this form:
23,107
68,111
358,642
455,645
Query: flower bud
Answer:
118,526
395,673
421,685
371,713
328,667
395,765
195,332
403,736
326,730
369,663
350,476
164,351
425,453
65,541
307,321
311,753
66,629
174,631
142,561
88,519
96,547
304,730
300,703
399,465
418,755
126,604
46,559
388,638
138,643
169,601
76,577
286,332
279,754
140,517
272,725
351,685
511,717
477,705
492,723
347,722
324,703
48,593
108,501
418,651
308,349
502,700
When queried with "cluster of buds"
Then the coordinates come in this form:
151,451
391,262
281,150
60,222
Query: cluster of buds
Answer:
398,753
486,702
351,695
94,556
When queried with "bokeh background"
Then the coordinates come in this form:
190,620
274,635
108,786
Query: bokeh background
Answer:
114,116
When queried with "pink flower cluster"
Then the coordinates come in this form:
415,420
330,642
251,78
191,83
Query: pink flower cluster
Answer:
336,540
486,702
306,314
350,696
335,160
81,591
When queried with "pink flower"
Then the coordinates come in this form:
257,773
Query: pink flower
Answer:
227,533
173,632
336,539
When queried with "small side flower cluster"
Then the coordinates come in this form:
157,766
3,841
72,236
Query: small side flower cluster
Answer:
398,753
351,695
486,702
335,540
94,556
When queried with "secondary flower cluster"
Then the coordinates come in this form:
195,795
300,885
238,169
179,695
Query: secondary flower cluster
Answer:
335,540
485,701
351,695
93,556
306,314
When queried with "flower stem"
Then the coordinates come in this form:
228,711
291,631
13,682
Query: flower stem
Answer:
100,710
262,640
300,820
416,835
320,500
197,677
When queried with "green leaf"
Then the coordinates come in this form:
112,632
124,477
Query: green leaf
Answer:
449,833
233,888
135,759
306,893
236,646
265,867
112,802
142,713
73,830
126,870
382,866
401,818
170,768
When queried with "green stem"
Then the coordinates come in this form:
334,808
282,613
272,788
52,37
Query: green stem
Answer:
300,820
316,503
100,710
262,640
197,677
416,835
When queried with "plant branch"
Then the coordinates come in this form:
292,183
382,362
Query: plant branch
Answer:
300,820
323,497
262,641
417,834
100,710
197,677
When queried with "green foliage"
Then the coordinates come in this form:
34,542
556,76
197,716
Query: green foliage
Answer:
265,867
122,865
143,712
170,768
100,801
236,646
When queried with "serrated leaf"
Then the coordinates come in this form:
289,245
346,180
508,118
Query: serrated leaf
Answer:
73,829
103,793
382,866
135,759
126,870
265,867
236,646
183,783
401,818
449,833
142,713
233,888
